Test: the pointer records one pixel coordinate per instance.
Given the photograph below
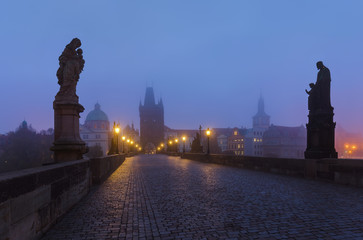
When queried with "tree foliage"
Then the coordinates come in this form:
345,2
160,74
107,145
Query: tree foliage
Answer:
25,148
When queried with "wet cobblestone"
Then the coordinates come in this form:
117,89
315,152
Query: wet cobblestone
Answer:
160,197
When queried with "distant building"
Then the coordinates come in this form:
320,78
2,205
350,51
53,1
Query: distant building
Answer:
172,134
236,143
253,138
284,142
222,142
96,129
131,132
151,121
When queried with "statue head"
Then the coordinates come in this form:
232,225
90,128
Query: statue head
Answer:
79,51
320,65
75,43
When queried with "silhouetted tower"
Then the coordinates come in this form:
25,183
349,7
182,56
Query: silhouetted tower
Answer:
261,120
151,120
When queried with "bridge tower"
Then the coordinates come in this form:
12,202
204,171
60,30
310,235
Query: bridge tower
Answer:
151,120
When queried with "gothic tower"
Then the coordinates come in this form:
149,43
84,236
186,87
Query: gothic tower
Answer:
151,120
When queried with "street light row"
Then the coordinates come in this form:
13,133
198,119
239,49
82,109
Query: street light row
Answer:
176,140
128,140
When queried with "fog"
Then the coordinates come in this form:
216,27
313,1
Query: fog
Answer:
208,60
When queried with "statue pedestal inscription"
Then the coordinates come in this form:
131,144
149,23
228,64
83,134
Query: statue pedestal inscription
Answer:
68,144
321,127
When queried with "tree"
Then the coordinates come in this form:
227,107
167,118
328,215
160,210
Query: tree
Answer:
24,148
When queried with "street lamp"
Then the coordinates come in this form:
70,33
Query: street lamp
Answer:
117,131
184,139
208,132
128,145
176,145
123,144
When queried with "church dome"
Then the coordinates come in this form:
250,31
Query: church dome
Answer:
97,114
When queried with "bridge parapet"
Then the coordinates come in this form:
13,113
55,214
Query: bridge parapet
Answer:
343,171
31,200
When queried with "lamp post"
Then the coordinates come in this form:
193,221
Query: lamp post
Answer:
176,145
132,146
184,139
162,147
170,143
128,146
117,131
123,144
208,132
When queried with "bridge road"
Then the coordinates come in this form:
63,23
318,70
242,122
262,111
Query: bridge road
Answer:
161,197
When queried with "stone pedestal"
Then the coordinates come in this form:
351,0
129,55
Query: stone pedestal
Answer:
321,135
68,144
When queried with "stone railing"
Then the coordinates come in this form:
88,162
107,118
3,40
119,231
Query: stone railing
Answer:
31,200
344,171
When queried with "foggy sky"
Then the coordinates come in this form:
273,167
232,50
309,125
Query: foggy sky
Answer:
208,60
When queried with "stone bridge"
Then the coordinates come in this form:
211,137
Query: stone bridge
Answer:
167,197
164,197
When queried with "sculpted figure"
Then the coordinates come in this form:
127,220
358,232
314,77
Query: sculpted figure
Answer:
319,95
71,64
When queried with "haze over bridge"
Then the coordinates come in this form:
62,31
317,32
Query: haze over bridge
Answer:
163,197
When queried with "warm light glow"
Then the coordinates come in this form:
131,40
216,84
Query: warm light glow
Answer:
170,142
354,147
176,140
132,142
139,148
137,145
184,138
128,140
123,138
158,148
208,132
162,145
346,146
117,130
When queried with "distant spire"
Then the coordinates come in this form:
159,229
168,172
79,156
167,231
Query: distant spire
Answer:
261,105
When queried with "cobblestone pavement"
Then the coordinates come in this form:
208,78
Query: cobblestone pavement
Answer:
160,197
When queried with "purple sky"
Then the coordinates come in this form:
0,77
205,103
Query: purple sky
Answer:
209,60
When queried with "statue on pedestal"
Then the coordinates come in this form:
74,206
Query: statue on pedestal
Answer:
71,64
320,129
68,144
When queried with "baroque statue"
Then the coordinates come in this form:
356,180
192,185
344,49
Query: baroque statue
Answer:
319,95
321,127
71,64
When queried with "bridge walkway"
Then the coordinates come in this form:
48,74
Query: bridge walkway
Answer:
161,197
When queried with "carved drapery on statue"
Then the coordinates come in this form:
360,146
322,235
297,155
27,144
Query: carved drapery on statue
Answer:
320,129
71,64
68,144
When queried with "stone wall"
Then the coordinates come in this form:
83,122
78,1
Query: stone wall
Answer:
31,200
344,171
103,167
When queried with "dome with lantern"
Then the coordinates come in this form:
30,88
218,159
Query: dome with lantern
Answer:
97,119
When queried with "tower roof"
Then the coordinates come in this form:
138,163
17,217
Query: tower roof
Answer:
149,97
97,114
261,108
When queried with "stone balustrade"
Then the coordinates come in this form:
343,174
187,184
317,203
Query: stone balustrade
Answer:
343,171
31,200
